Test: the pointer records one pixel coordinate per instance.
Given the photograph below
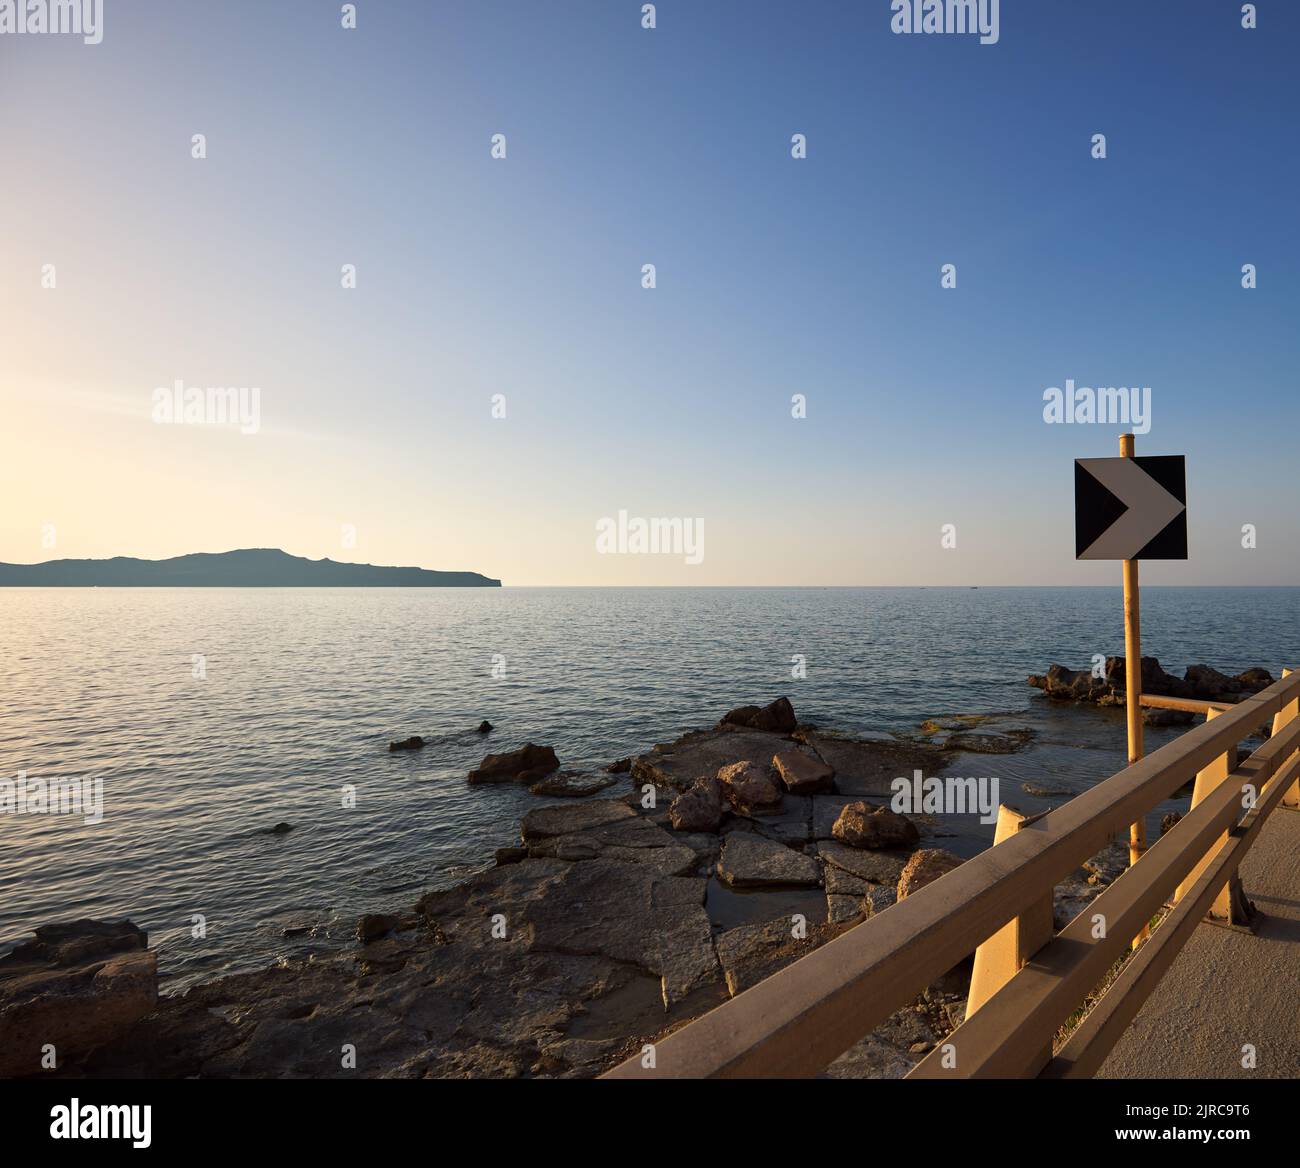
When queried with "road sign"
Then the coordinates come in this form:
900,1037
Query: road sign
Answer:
1130,508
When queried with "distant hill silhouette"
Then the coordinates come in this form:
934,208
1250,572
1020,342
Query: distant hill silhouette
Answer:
249,568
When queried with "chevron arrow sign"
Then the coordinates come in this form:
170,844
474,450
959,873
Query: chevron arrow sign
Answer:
1130,508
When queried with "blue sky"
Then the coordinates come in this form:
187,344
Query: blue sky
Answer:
775,276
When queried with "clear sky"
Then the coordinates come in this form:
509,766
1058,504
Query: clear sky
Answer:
522,277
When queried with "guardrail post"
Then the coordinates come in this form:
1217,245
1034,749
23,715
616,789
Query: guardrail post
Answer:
1230,905
1288,712
1001,957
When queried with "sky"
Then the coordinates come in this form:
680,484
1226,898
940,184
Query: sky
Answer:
522,277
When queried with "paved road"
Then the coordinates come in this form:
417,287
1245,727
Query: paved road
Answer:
1228,989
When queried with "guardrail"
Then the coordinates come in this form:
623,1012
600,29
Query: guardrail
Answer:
796,1022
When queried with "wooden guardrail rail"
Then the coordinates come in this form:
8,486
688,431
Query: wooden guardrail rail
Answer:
794,1023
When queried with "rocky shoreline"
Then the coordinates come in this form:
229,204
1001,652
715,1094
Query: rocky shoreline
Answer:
599,932
1106,686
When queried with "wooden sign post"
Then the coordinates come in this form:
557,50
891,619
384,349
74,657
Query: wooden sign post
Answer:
1131,508
1137,834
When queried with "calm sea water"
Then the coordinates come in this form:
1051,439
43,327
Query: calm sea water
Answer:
305,688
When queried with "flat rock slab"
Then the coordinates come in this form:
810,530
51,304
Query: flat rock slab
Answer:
793,824
543,822
802,773
750,953
869,766
572,785
634,840
610,909
872,867
750,861
702,753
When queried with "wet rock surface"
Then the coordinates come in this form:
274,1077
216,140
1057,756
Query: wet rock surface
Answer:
572,784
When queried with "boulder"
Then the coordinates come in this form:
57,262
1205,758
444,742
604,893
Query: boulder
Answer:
750,789
925,866
484,726
527,764
1209,683
75,986
802,774
372,926
861,825
415,742
778,717
750,861
699,808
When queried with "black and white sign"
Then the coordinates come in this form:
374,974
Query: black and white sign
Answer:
1130,508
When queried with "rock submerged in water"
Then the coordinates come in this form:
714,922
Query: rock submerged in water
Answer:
280,829
415,742
484,726
860,825
75,987
572,784
776,717
528,764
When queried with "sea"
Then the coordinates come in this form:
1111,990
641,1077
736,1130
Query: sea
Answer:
210,715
